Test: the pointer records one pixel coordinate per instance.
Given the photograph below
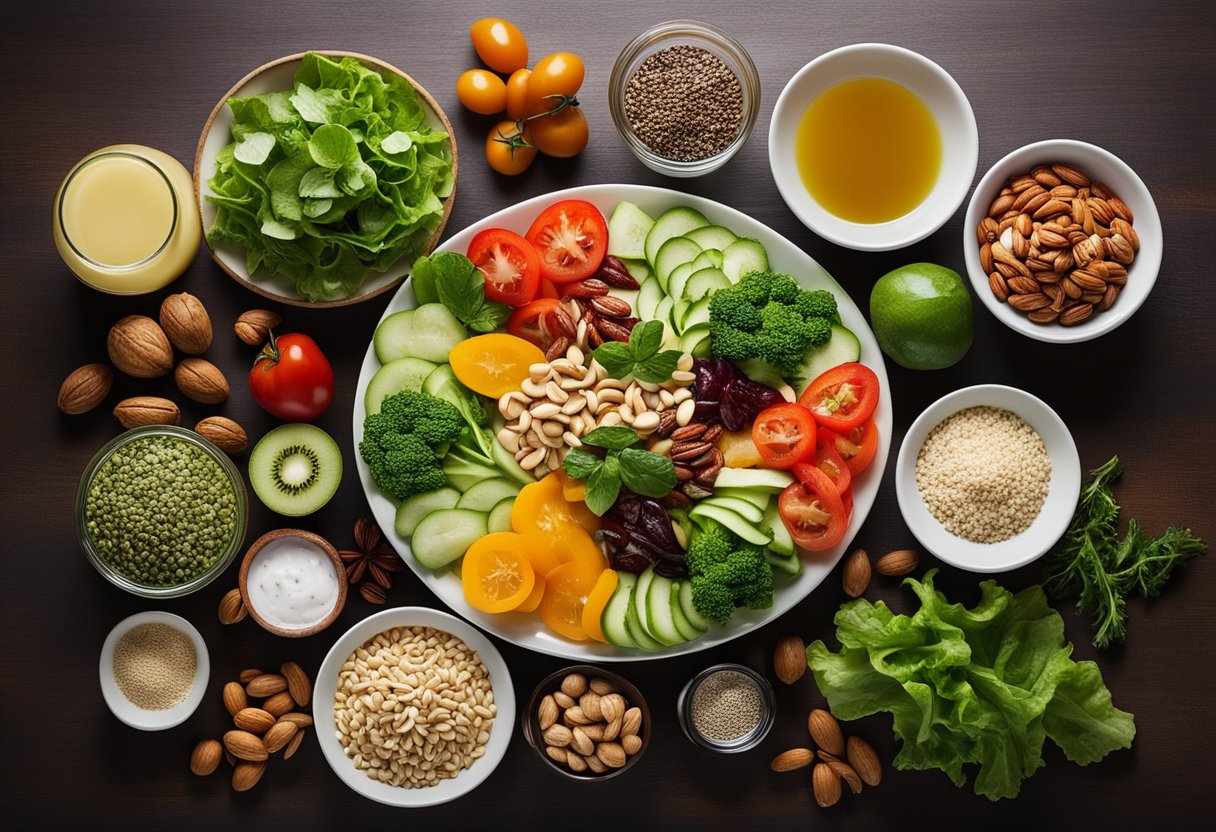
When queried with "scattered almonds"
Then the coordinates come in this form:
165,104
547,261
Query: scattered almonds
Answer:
856,573
586,725
789,659
862,764
232,607
897,563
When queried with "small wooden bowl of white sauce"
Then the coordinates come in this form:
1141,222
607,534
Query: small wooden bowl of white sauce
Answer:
292,582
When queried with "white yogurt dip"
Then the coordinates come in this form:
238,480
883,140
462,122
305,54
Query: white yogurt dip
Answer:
292,583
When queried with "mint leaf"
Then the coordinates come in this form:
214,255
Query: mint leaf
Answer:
332,146
615,357
645,339
254,148
657,368
603,486
612,437
422,278
488,318
646,473
581,464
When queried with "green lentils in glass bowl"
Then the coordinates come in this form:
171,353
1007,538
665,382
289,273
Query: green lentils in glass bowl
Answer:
160,511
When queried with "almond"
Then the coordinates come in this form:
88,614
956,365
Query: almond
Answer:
201,381
631,722
186,323
563,701
254,720
268,684
575,716
279,704
138,346
593,763
558,736
1076,314
232,607
249,674
138,411
631,744
234,698
1071,175
574,685
846,773
589,702
546,712
297,683
253,327
247,774
581,743
294,745
575,762
825,731
85,388
206,757
864,761
793,759
612,707
826,784
279,735
901,561
612,730
856,574
789,659
611,754
602,686
303,720
224,433
245,746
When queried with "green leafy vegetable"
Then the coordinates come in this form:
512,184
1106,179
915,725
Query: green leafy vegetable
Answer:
450,278
642,472
1091,564
330,182
983,686
641,356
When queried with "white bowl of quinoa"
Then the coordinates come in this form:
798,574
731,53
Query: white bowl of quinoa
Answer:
154,670
988,478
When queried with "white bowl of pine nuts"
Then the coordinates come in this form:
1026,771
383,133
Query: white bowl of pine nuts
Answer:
1062,241
394,679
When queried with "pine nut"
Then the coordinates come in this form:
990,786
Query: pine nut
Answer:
539,371
610,418
683,377
682,395
646,422
552,429
685,412
685,362
532,460
543,410
556,394
593,400
667,398
572,440
575,355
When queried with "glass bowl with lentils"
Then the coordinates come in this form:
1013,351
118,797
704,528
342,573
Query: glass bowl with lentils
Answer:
684,96
727,708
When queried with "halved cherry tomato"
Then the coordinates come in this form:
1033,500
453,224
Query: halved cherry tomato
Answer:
571,237
554,78
843,397
561,135
784,434
813,511
857,446
517,93
597,600
566,591
493,364
500,44
548,290
509,150
828,460
482,92
846,498
537,322
509,263
496,573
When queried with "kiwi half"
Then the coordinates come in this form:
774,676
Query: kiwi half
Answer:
295,469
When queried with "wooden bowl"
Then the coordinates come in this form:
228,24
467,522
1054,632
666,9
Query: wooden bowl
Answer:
315,540
277,75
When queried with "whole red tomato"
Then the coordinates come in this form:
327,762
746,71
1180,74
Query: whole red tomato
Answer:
292,379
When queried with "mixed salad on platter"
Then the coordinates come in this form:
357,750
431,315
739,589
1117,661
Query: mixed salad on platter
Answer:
628,425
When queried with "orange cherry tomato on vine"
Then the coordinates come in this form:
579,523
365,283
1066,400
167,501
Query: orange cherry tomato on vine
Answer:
517,93
784,434
554,78
482,92
561,135
500,44
509,151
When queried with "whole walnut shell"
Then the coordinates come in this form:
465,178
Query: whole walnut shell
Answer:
85,388
138,346
201,381
185,321
224,433
138,411
253,327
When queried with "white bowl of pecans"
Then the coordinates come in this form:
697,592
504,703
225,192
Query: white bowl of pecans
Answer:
1062,241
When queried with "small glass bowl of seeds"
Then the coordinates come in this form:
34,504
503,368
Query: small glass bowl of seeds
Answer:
727,708
160,511
684,96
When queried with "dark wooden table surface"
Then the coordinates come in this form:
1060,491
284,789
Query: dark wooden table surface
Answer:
1133,77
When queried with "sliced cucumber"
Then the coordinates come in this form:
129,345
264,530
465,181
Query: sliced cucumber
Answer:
712,236
692,338
782,543
704,283
764,478
504,460
392,338
662,312
612,619
639,270
485,495
697,313
678,311
659,615
413,509
698,621
627,230
672,223
649,297
445,535
439,378
402,374
500,516
633,626
744,529
463,474
687,631
680,276
675,252
842,348
711,259
434,331
742,256
758,497
640,599
743,508
788,564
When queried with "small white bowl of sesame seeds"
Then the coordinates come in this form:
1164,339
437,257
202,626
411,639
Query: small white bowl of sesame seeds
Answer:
154,670
988,478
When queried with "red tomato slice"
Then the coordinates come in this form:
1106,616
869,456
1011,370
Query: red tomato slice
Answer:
828,460
537,322
856,447
846,498
548,290
813,511
571,237
843,397
509,263
784,434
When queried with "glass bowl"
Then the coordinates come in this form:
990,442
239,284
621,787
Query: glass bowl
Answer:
690,33
768,707
531,723
121,580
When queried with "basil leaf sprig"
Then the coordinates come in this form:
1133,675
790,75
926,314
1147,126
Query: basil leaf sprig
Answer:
641,471
641,356
450,278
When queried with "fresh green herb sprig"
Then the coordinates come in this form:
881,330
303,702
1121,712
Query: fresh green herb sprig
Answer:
642,472
1091,563
450,278
641,356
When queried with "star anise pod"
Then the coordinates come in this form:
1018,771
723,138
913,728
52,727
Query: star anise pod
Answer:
371,556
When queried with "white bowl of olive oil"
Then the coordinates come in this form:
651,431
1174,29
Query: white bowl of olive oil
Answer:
873,146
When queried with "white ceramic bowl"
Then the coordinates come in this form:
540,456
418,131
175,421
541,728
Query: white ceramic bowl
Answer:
1100,166
932,85
444,790
126,710
1062,492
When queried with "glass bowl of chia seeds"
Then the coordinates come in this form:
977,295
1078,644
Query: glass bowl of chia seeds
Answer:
684,96
160,511
727,708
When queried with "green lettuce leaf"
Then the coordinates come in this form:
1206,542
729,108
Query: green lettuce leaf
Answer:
984,686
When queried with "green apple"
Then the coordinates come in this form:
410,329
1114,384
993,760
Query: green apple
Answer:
922,316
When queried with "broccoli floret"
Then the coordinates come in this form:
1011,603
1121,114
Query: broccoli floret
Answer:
401,444
766,315
726,573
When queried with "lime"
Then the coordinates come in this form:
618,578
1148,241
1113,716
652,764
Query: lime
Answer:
921,315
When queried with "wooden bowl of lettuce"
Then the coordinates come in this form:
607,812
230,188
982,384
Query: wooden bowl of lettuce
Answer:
322,176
